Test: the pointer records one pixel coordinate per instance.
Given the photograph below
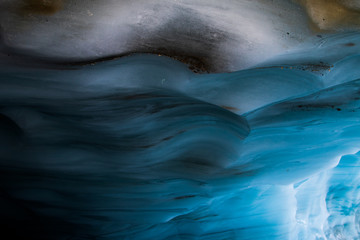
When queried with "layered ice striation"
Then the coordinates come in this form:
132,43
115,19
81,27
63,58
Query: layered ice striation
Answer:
142,148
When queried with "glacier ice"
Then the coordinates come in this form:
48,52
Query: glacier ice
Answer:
141,147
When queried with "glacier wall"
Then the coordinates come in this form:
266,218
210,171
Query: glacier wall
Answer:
142,148
98,143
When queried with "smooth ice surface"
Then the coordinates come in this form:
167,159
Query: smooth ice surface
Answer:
141,147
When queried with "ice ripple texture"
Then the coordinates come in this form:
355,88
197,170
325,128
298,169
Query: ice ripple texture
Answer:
142,148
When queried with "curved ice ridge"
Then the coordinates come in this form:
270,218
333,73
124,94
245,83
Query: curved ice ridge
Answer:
142,148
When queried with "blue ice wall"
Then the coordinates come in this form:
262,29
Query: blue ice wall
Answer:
142,148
